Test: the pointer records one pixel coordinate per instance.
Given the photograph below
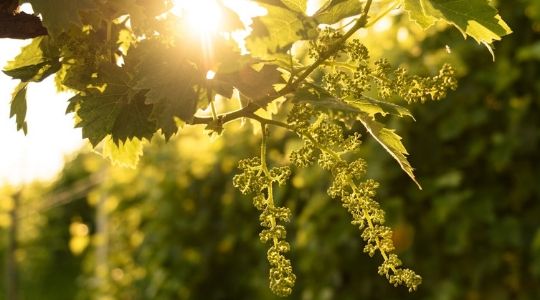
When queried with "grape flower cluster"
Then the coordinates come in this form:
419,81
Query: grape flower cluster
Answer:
349,74
325,142
257,179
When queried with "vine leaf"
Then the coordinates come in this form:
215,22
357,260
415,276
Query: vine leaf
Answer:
18,107
335,10
373,106
59,14
254,82
230,19
116,109
277,31
168,82
35,62
142,13
299,6
125,153
474,18
365,110
319,97
390,141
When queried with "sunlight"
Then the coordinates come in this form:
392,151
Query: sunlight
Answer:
203,16
312,7
206,16
210,75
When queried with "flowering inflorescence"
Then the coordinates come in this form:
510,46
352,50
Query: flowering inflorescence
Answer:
350,74
414,88
257,179
322,47
326,143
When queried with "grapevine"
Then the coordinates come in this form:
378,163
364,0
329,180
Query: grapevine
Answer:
137,71
256,178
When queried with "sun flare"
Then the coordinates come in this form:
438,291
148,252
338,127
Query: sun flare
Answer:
207,16
203,16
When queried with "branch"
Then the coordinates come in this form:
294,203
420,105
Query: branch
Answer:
291,86
265,121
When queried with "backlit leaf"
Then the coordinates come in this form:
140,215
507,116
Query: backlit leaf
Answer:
475,18
336,10
318,97
59,14
35,62
18,107
296,5
390,141
125,153
230,20
116,110
253,83
373,106
277,31
364,110
29,55
168,81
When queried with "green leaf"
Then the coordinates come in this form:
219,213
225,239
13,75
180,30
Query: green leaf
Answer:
221,87
142,13
169,83
125,153
27,72
116,109
364,110
253,83
29,55
336,10
390,141
296,5
36,62
18,107
318,97
373,106
230,20
60,14
475,18
277,31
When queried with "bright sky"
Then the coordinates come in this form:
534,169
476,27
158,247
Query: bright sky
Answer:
40,154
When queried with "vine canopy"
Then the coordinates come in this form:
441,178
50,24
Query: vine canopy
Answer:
137,69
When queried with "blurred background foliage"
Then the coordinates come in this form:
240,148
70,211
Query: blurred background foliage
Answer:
175,228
